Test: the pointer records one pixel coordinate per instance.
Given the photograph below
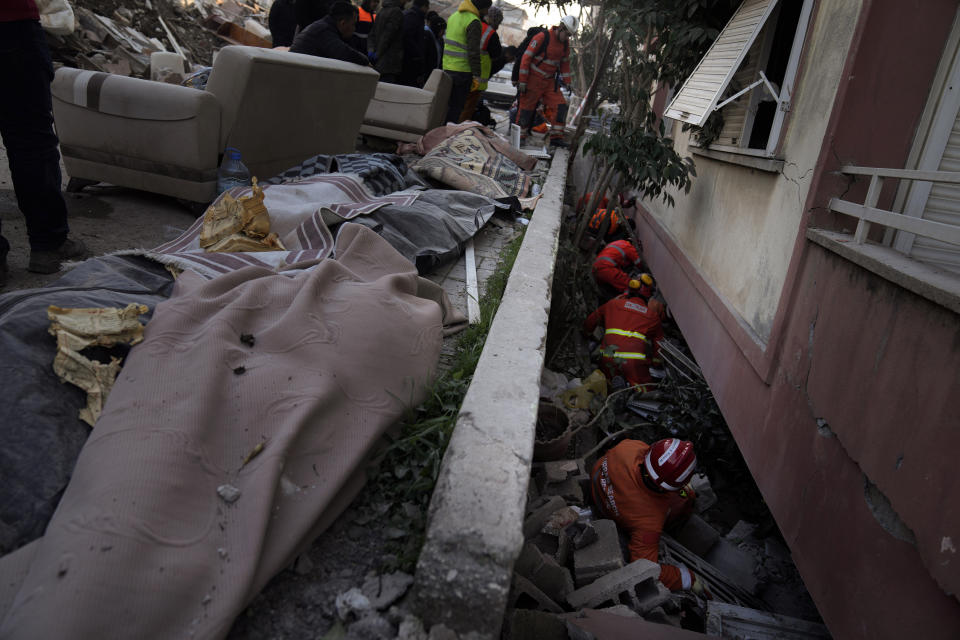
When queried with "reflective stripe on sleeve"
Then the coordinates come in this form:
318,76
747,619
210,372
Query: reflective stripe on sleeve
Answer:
686,581
628,334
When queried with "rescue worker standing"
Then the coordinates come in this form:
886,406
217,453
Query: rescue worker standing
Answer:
367,13
386,41
643,488
490,51
632,331
462,53
612,266
543,67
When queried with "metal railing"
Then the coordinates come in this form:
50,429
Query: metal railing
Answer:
868,212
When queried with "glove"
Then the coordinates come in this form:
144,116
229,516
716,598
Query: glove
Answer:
475,84
372,56
522,87
699,588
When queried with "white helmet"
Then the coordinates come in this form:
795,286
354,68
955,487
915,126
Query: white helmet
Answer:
571,24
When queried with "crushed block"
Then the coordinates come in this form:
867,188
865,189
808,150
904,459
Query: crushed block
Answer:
544,573
527,624
706,498
560,520
697,535
738,566
556,546
539,512
730,621
525,595
599,558
741,531
636,585
581,534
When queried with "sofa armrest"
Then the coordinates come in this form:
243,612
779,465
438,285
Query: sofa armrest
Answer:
136,119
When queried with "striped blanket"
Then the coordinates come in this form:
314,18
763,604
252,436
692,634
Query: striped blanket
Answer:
299,214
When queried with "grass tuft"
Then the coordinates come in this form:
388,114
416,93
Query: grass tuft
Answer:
403,476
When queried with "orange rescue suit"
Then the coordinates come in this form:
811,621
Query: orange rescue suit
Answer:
539,72
634,328
621,495
610,266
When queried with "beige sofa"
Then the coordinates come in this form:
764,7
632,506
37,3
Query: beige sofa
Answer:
406,113
277,108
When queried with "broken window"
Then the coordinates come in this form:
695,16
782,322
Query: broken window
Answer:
748,75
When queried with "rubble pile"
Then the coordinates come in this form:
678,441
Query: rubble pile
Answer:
573,562
118,36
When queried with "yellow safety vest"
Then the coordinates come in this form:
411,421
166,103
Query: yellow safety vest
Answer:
486,64
455,41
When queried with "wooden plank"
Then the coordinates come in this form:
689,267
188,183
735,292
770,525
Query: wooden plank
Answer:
473,290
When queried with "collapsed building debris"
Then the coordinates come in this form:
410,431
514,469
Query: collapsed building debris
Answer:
117,37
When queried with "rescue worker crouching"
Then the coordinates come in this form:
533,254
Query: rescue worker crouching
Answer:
611,269
643,488
633,329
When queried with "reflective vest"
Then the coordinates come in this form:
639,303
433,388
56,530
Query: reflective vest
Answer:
486,64
364,24
455,41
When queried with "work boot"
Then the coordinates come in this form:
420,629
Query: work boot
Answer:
50,261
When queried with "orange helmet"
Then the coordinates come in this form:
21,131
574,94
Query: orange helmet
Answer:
670,463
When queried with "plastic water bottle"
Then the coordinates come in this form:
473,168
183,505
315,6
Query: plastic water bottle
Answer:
232,171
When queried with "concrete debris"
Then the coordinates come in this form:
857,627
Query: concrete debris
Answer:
539,512
122,42
228,493
636,585
697,535
581,534
526,595
601,557
352,602
741,531
544,572
383,590
730,621
560,520
371,626
738,566
411,628
527,624
722,587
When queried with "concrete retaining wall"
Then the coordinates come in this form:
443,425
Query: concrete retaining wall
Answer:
474,532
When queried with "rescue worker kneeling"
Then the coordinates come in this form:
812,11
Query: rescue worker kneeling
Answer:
643,488
632,332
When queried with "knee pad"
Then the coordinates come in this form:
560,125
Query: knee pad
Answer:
562,113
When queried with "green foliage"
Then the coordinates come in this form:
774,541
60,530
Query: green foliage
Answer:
644,157
404,474
660,42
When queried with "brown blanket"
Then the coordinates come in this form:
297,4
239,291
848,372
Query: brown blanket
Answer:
235,433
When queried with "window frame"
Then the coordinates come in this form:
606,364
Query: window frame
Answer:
787,87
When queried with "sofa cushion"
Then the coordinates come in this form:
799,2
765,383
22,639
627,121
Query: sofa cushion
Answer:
122,96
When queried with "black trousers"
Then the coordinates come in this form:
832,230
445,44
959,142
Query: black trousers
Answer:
458,94
26,126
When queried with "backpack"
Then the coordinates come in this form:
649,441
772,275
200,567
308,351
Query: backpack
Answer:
531,32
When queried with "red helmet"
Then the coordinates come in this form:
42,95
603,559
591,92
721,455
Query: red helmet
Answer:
670,463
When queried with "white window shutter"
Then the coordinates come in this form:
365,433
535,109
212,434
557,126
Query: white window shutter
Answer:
699,94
